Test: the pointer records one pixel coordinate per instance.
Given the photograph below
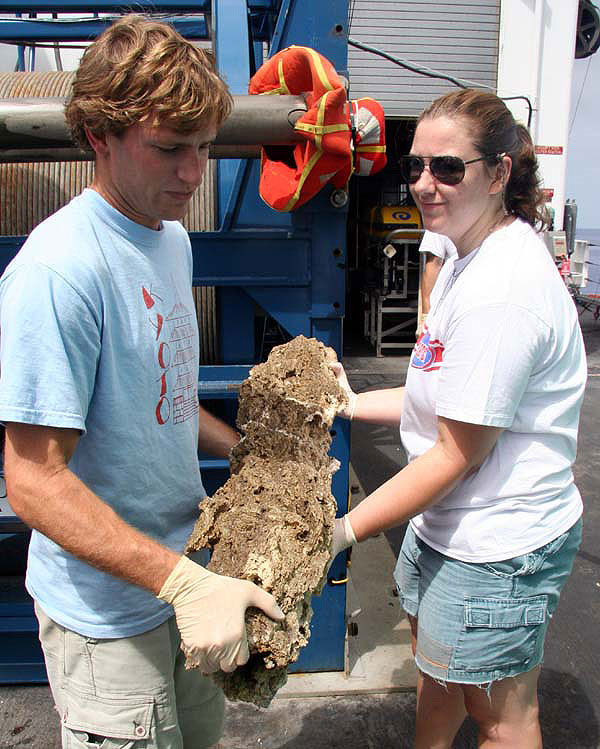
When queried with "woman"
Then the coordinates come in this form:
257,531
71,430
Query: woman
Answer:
489,419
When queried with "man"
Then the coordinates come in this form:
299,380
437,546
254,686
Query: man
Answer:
98,391
436,249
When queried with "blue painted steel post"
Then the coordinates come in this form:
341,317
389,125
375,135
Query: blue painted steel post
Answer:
232,50
317,24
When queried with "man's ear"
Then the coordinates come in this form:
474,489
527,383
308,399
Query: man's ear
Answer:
97,142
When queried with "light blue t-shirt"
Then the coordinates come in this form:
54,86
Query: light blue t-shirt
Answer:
98,333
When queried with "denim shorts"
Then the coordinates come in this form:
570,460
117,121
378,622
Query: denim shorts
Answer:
129,693
479,623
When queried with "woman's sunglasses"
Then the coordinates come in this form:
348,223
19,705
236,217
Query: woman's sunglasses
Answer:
449,170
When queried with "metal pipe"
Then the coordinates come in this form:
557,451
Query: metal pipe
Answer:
39,124
26,155
262,120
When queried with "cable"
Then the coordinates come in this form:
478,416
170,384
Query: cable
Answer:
411,65
57,57
587,70
527,101
351,14
461,82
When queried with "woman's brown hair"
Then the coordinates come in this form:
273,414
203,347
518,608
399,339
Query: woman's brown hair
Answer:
495,132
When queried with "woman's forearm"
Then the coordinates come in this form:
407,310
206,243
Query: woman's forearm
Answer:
380,406
411,491
460,449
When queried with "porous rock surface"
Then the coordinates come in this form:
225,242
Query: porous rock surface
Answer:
272,521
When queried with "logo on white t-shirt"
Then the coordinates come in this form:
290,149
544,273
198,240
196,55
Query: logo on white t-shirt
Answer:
427,354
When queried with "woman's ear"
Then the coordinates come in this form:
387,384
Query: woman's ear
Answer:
502,174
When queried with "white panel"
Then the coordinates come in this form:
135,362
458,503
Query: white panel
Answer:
537,51
459,39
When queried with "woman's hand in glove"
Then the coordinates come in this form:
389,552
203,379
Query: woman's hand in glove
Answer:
338,370
210,610
343,536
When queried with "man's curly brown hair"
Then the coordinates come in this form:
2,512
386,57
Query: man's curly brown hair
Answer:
140,70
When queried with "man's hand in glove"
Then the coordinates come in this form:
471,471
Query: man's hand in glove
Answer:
209,611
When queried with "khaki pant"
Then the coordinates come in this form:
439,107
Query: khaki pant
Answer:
129,693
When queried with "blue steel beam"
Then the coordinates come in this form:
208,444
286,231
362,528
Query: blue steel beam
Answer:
280,27
316,309
319,310
233,51
77,6
237,258
38,30
147,6
262,15
253,259
232,46
248,210
64,30
250,259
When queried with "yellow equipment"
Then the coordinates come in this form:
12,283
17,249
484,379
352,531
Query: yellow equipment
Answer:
386,218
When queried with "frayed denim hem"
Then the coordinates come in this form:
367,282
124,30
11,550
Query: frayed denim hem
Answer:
485,685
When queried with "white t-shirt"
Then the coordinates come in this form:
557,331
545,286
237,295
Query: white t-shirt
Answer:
438,245
502,347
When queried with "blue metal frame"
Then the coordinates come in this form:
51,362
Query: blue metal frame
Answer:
291,265
298,272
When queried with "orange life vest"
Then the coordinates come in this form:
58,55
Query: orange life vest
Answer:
339,136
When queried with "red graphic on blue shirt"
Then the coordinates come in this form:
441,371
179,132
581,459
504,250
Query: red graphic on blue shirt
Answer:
427,354
178,397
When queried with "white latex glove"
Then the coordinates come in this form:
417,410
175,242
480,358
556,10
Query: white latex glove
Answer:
343,536
209,611
340,374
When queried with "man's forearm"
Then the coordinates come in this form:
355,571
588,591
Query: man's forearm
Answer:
431,271
65,510
214,435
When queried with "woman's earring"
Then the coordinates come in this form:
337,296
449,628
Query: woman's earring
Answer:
503,179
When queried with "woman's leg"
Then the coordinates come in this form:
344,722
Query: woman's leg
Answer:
440,708
509,717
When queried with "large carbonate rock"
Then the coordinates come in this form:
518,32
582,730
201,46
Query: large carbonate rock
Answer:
272,521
